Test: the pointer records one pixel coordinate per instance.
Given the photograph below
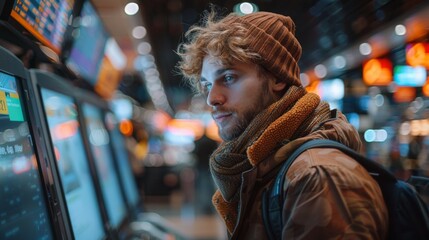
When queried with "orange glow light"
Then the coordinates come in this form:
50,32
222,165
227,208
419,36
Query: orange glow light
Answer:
312,87
126,127
418,54
377,72
185,126
108,79
404,94
425,88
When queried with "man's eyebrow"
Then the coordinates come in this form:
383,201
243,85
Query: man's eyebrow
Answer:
221,71
217,73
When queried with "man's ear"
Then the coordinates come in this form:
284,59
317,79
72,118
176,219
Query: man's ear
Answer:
278,85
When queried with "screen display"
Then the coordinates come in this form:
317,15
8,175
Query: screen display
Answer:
23,210
73,165
100,145
123,162
47,20
88,48
110,73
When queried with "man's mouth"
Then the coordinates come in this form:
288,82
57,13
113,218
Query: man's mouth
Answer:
221,117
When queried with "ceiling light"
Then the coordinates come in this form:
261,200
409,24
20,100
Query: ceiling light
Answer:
139,32
320,71
365,49
131,8
144,48
245,8
400,30
305,80
339,62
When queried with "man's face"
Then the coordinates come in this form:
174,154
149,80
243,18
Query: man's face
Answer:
236,94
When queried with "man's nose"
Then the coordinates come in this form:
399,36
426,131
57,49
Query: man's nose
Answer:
215,96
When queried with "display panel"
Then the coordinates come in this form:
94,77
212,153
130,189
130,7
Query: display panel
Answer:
87,51
111,68
73,165
23,208
121,155
46,20
99,141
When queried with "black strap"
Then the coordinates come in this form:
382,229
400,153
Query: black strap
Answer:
272,202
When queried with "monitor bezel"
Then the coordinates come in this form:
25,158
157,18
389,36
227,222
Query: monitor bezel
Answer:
134,208
5,9
71,41
43,79
90,98
10,64
22,29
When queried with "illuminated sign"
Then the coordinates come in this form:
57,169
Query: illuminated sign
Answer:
331,90
417,54
377,72
409,76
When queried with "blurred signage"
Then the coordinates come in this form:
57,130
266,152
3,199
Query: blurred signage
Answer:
331,90
404,94
417,54
409,76
377,72
186,127
419,127
108,79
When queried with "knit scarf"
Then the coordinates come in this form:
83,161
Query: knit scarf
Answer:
294,115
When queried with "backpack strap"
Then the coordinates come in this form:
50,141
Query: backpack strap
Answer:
272,199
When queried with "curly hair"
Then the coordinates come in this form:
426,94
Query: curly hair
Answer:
227,42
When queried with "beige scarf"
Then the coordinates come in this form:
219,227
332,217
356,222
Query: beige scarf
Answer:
294,115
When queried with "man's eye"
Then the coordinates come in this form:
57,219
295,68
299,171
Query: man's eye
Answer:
206,86
229,78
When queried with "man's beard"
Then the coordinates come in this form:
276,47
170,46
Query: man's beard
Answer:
244,119
241,125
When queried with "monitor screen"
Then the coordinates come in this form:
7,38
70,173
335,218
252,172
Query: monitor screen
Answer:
87,51
122,158
99,141
73,165
23,208
111,68
46,20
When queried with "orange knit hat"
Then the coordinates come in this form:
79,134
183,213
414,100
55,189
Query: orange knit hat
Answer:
273,37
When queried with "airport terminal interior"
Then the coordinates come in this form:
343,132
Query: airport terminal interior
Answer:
100,138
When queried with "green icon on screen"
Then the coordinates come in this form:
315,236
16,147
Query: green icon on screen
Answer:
14,107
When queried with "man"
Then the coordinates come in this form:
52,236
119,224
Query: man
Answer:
248,68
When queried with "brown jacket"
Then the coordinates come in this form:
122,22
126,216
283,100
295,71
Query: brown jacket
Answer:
329,195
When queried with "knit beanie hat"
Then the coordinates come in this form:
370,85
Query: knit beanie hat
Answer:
273,37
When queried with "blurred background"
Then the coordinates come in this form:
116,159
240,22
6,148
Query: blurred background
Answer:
368,58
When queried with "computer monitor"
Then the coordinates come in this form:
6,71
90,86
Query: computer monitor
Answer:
46,20
99,141
57,102
87,50
26,211
123,162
